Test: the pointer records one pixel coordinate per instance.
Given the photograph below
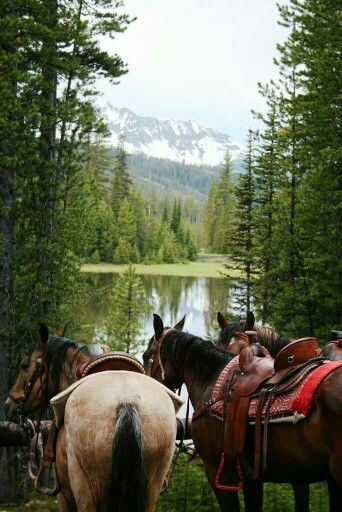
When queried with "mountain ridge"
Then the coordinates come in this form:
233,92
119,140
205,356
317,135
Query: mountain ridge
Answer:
187,142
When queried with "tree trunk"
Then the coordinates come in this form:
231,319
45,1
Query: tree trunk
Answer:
9,490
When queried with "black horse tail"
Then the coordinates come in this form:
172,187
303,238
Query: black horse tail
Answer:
128,485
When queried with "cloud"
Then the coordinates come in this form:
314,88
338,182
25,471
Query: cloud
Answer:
197,59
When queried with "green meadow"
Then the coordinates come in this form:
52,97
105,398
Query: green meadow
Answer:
205,266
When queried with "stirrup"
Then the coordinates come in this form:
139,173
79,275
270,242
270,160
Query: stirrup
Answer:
46,481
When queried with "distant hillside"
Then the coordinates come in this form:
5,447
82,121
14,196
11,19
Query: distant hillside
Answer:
171,177
160,178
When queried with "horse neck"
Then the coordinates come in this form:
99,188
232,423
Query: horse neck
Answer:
73,358
199,363
271,339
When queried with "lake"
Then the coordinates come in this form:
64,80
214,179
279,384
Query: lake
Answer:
171,297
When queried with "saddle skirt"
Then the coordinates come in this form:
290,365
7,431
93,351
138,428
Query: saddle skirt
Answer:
260,390
59,401
286,407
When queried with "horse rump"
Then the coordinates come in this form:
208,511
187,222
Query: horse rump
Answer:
128,485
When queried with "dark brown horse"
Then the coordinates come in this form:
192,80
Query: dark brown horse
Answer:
232,339
309,451
333,349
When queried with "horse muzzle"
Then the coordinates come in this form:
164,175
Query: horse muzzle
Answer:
11,409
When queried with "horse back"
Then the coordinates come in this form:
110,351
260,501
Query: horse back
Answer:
91,415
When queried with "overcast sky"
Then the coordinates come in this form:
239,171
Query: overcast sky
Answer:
198,59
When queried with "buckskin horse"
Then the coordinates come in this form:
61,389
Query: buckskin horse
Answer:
303,452
117,440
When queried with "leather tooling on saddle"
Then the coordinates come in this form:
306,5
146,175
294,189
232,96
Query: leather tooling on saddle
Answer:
109,361
283,375
254,387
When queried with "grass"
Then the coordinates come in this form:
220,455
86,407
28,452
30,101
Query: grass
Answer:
188,488
206,266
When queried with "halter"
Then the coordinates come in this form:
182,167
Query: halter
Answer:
155,351
40,366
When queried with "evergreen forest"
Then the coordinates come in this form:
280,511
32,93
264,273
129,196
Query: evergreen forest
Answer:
280,223
67,198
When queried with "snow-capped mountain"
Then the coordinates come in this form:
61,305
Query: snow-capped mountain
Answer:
182,141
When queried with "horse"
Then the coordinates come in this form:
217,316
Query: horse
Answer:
313,448
233,339
333,348
116,444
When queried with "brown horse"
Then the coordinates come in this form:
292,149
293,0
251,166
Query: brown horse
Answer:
263,334
333,349
117,440
233,338
308,451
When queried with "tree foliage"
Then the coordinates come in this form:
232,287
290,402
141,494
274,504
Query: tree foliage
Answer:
125,321
296,173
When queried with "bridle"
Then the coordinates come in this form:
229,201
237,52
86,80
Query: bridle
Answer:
40,366
155,357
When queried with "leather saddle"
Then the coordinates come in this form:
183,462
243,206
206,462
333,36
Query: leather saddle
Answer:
109,361
259,375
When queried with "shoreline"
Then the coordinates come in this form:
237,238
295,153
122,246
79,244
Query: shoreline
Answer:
213,269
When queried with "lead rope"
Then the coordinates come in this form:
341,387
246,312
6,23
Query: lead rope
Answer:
35,453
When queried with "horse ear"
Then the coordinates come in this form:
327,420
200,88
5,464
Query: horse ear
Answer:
250,321
43,334
158,326
221,320
179,326
62,332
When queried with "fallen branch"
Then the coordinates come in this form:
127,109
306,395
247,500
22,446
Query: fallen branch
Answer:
12,434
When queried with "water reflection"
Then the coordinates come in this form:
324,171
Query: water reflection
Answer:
172,296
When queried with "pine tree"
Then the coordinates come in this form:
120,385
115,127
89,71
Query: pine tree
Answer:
210,217
122,180
170,251
267,179
126,250
314,46
219,210
242,236
138,206
99,162
11,135
49,58
129,304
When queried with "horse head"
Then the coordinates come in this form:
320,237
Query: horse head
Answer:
229,340
28,392
47,369
155,364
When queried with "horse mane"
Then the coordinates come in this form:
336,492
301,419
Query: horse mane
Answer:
54,355
228,332
271,339
194,355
